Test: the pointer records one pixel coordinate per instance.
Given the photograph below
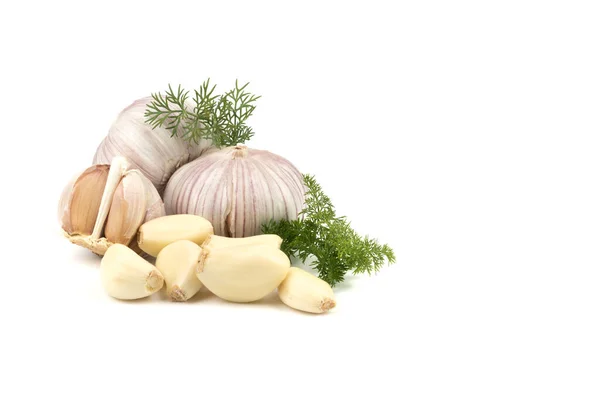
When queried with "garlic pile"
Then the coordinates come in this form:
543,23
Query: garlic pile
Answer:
237,189
155,152
238,270
106,205
207,235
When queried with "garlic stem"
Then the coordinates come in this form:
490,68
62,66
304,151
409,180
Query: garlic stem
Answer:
118,167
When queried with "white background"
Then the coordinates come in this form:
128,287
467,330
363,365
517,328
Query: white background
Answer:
464,134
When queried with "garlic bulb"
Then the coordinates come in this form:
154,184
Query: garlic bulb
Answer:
237,189
108,200
152,151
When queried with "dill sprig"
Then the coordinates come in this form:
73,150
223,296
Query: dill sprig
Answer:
337,249
206,115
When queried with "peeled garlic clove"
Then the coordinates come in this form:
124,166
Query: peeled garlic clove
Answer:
177,262
80,201
127,210
242,273
127,276
306,292
219,242
155,235
86,201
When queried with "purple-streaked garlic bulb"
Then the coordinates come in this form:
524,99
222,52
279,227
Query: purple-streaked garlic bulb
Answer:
237,189
154,152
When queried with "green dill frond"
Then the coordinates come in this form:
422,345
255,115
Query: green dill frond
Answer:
334,247
219,118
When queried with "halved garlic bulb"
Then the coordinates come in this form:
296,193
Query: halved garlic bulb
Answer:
107,204
155,152
237,189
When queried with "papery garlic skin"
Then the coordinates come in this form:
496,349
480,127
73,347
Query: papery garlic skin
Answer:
237,189
127,210
111,200
155,152
80,201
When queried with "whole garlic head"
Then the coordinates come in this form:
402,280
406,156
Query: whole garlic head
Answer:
155,152
237,189
107,204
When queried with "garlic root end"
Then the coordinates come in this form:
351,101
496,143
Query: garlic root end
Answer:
177,294
154,281
327,304
98,246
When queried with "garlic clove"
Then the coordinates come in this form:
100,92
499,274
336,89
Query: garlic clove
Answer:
305,292
219,242
155,235
128,209
81,202
242,273
127,276
177,262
